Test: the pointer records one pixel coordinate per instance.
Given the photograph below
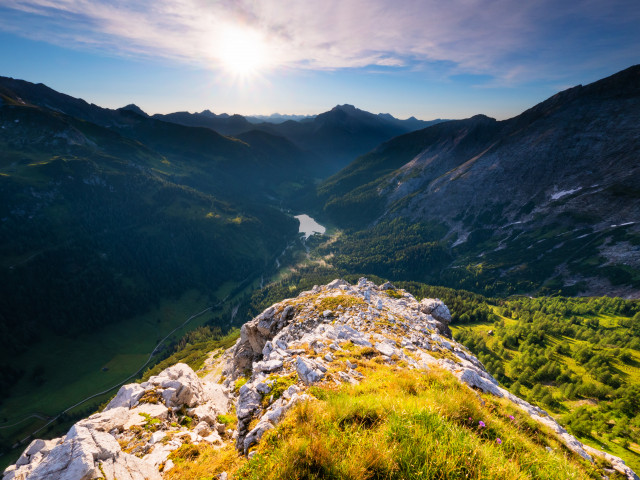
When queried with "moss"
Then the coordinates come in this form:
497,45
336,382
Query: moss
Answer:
394,293
239,383
151,424
150,396
279,385
229,420
345,301
186,421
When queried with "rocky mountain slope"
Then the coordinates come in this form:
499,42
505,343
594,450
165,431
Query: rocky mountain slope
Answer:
286,362
550,197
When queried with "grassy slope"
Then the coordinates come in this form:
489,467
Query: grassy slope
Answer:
72,368
397,424
630,373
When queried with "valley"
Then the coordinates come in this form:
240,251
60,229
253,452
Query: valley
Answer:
116,227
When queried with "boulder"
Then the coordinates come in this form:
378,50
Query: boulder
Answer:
440,312
248,402
138,415
127,396
255,334
179,386
308,371
76,457
108,420
205,412
267,366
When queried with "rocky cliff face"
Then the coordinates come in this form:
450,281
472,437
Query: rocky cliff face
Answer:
291,346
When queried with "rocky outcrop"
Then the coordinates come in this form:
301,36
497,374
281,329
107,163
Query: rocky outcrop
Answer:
128,440
301,339
291,346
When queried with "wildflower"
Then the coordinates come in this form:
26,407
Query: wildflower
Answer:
481,424
498,441
511,417
470,418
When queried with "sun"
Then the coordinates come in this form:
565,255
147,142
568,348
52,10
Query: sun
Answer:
243,51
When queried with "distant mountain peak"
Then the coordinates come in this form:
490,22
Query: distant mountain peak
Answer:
134,108
345,108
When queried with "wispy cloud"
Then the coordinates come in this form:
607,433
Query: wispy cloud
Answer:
509,39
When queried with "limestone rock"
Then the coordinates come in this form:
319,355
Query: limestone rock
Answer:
217,396
127,396
137,415
440,312
248,402
108,420
308,371
205,412
180,386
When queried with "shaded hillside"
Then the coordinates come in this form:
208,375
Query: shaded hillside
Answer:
91,232
550,197
196,156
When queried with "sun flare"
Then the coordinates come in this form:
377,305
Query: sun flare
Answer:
243,51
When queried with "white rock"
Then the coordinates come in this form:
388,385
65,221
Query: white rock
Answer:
385,348
157,437
218,396
203,429
138,414
307,371
248,402
180,385
108,420
127,396
267,366
205,412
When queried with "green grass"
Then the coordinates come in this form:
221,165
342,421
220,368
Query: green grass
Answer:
400,424
563,406
73,368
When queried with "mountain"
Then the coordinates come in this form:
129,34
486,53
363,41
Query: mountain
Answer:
362,369
278,118
341,134
83,208
223,124
134,108
128,224
333,138
196,156
548,199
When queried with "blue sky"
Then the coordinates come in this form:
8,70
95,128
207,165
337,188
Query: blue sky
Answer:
426,58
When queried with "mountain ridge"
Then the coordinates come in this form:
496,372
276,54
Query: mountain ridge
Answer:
570,162
330,339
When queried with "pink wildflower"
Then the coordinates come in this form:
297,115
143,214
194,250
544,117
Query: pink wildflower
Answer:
498,441
481,424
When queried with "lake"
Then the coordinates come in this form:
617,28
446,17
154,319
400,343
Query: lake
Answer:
309,226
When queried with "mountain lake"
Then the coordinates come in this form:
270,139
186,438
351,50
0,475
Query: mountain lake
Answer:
309,226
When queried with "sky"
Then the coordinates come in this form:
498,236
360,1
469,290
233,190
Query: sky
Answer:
423,58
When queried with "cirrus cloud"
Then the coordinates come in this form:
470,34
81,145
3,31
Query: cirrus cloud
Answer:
509,40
